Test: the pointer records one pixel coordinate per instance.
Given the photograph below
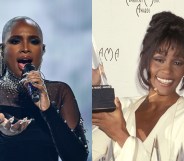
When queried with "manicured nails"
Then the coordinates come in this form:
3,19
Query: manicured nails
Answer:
11,119
24,120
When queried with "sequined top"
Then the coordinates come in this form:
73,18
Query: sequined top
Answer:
48,135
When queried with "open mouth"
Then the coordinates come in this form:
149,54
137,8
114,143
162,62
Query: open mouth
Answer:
23,62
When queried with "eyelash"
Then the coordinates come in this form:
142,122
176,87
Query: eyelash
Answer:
15,41
179,63
35,41
160,60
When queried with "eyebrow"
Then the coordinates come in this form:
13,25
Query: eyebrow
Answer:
35,36
19,36
161,52
165,54
28,36
16,36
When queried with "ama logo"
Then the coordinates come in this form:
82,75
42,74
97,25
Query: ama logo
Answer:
142,6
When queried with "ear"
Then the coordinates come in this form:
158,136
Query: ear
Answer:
43,48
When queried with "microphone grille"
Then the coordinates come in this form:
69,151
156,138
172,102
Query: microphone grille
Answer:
28,67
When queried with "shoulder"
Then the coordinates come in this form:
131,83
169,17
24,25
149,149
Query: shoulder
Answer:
178,115
56,85
59,92
58,89
49,82
179,108
177,122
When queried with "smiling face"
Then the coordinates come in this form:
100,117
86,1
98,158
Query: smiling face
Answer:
166,69
23,44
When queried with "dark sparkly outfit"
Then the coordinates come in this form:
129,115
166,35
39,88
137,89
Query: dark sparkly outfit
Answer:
48,135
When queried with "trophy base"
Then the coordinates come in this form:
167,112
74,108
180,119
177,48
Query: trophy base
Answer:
103,98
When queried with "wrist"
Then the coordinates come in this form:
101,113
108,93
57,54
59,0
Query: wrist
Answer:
44,107
44,103
121,137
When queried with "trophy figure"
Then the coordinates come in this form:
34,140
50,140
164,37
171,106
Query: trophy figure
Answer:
102,93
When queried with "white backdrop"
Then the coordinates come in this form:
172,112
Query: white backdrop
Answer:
66,27
118,29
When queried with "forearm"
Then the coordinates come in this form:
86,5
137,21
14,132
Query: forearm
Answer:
69,146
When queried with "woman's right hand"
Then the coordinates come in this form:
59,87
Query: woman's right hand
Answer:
8,128
112,123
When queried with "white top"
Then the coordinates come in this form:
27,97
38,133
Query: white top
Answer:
168,132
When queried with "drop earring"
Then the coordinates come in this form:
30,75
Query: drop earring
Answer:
1,61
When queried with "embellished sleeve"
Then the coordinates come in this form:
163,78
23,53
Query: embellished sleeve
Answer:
66,127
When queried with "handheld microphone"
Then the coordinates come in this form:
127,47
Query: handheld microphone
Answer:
33,91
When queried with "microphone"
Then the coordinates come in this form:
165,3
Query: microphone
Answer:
33,91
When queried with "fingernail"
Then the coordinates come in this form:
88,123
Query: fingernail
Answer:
22,80
21,122
12,130
5,127
25,119
11,119
1,120
29,121
25,74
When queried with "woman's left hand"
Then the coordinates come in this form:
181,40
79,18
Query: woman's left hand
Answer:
34,77
7,127
112,123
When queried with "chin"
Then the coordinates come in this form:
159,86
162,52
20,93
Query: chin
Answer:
165,93
18,74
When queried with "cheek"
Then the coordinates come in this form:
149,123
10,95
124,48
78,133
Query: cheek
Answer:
37,60
153,69
9,56
180,74
10,51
